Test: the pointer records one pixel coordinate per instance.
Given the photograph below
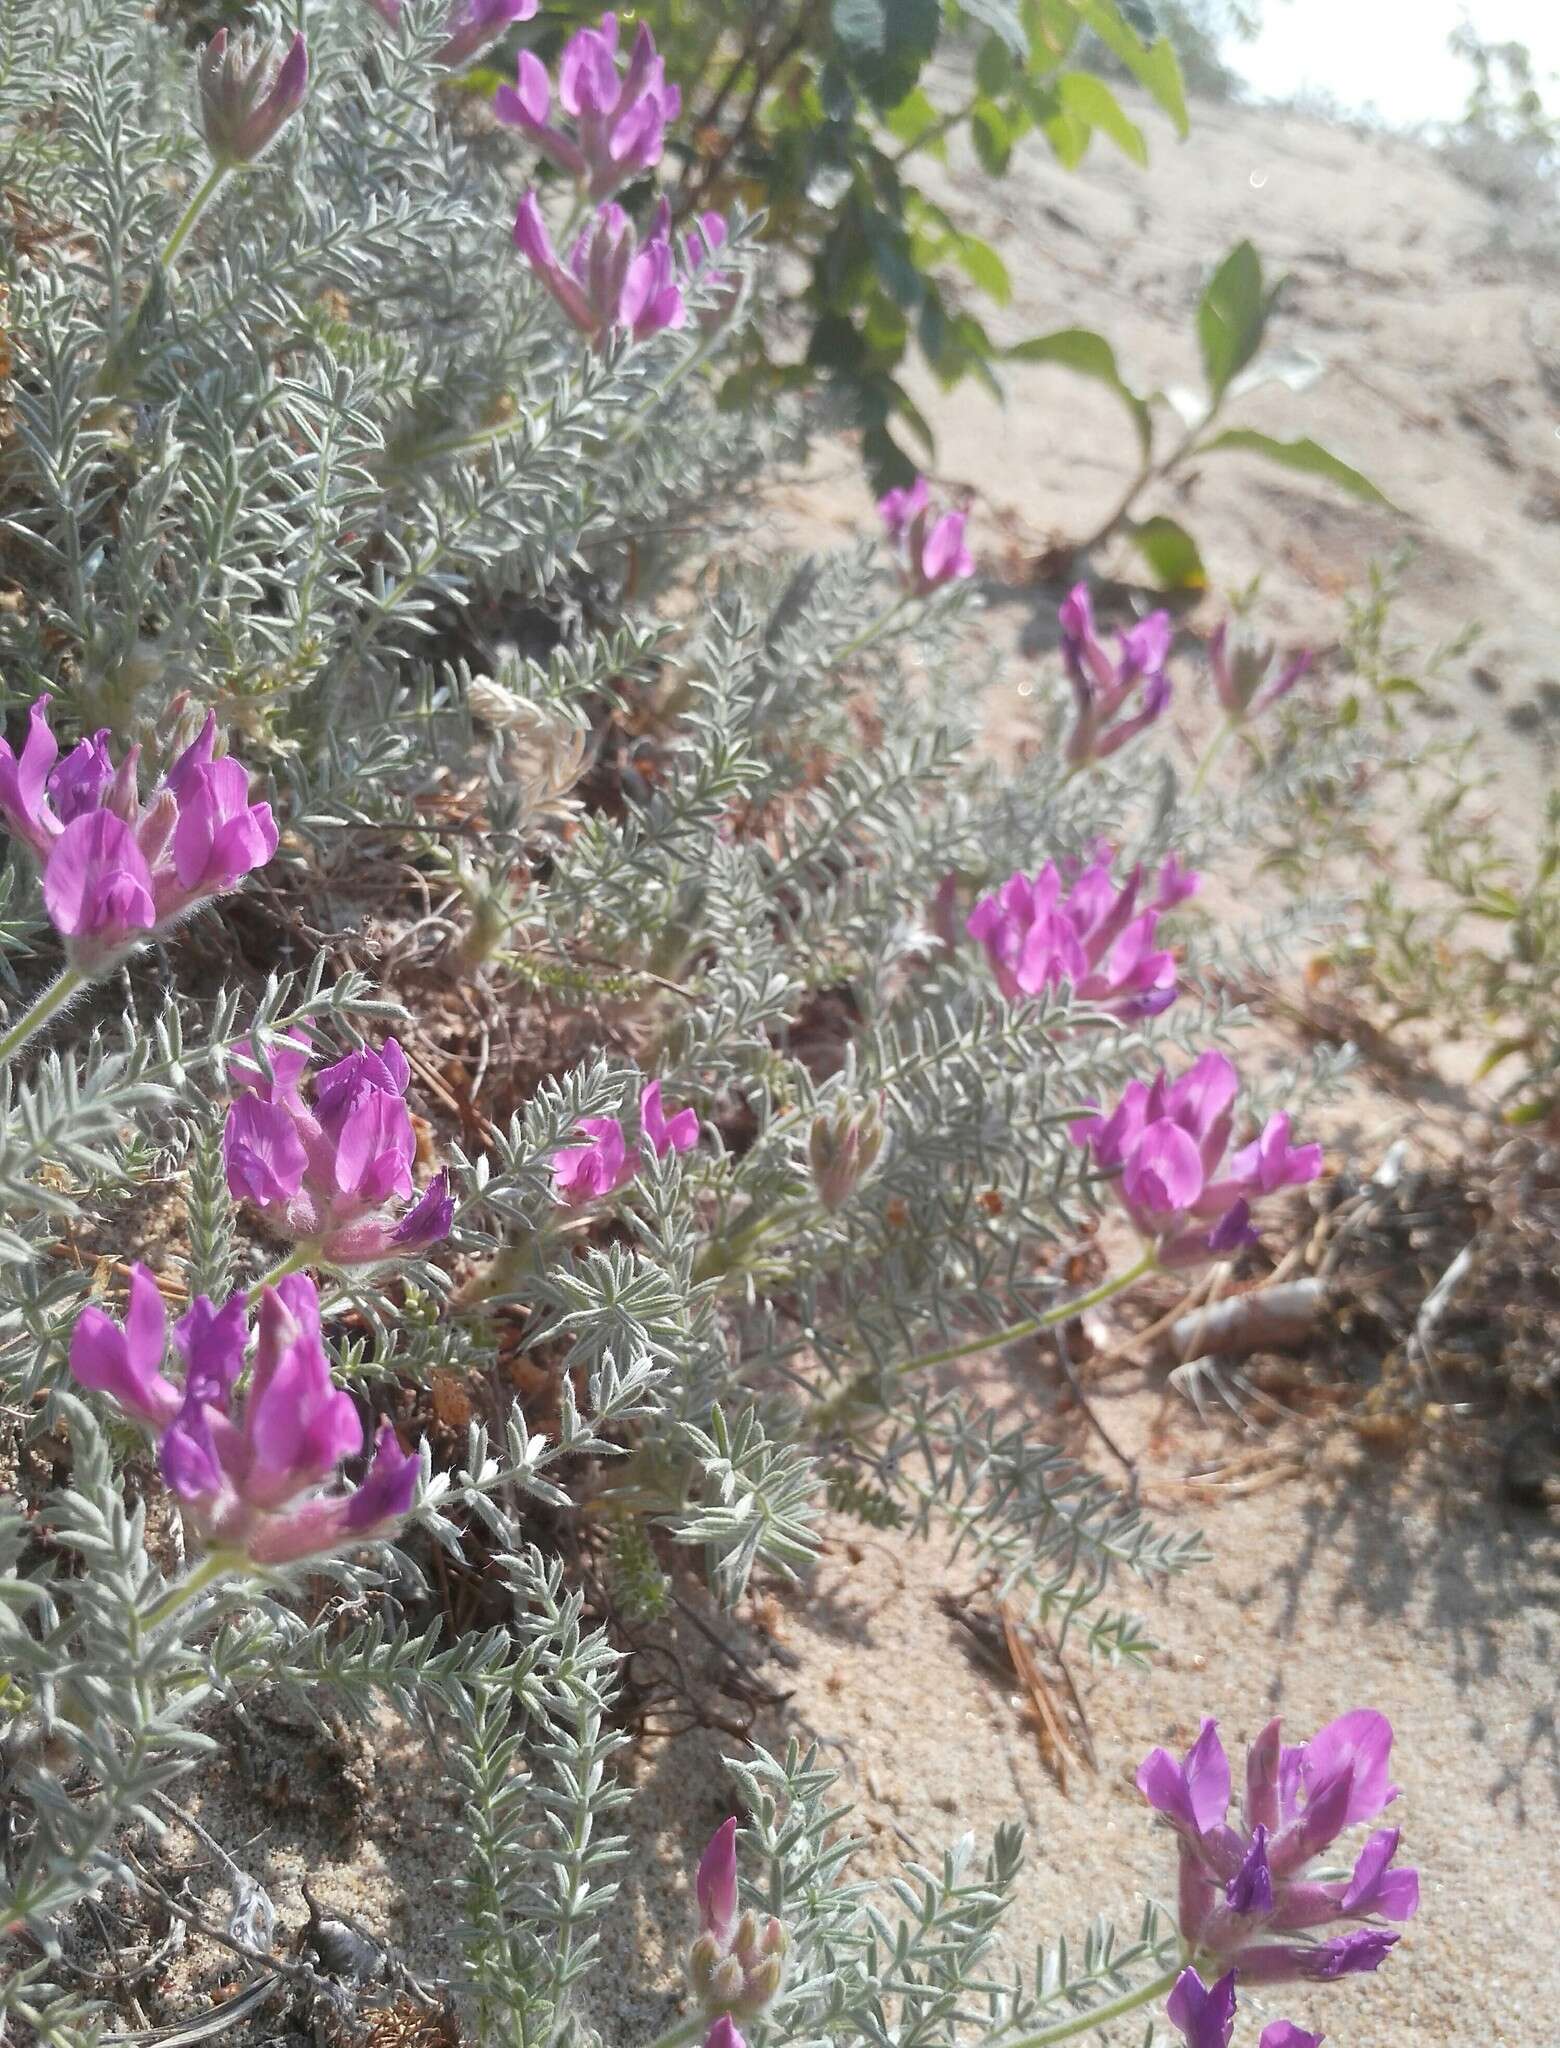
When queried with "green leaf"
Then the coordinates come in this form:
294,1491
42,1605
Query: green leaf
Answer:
1305,455
994,67
1091,355
1231,315
1170,553
984,267
1068,137
1527,1113
885,43
1091,100
1153,65
992,137
1003,18
911,119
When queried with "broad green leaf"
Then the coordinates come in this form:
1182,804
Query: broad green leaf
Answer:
911,119
1305,455
890,250
1091,355
1231,315
994,67
885,43
1053,29
1170,553
1153,65
1068,136
983,266
1003,18
992,137
1092,101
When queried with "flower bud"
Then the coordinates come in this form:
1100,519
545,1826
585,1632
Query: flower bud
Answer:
842,1149
245,96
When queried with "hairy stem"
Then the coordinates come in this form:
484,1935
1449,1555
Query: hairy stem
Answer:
204,193
295,1261
210,1568
53,1000
829,1412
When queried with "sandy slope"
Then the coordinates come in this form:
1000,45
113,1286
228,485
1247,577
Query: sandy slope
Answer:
1437,358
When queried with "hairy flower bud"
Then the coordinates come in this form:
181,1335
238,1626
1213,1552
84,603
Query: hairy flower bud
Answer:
736,1962
842,1148
246,96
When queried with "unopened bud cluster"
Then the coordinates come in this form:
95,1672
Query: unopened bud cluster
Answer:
842,1148
738,1959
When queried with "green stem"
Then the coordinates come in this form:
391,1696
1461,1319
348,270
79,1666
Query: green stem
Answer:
211,1567
1064,1311
720,1258
192,213
1219,742
828,1413
1099,2015
870,633
300,1256
54,998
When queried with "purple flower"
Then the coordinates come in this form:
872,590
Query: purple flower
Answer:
1088,936
1164,1144
250,1482
716,1882
676,1133
1204,2013
1249,680
931,551
588,1173
613,283
114,868
1195,1794
619,120
723,2033
1241,1884
97,888
127,1363
1357,1953
329,1176
737,1960
1285,2034
1102,687
473,24
246,96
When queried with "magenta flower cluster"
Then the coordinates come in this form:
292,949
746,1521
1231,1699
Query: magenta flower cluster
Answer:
738,1958
618,121
588,1173
328,1174
1104,687
1165,1142
250,1482
1247,1887
614,283
471,24
931,551
1084,933
114,868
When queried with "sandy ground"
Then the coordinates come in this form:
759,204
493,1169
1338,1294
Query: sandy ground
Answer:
1358,1581
1437,357
1436,352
